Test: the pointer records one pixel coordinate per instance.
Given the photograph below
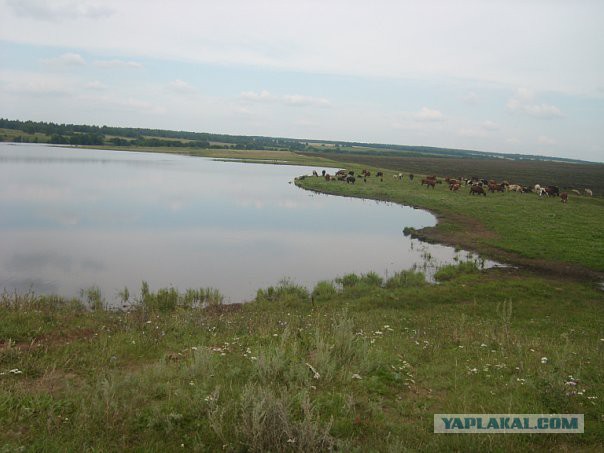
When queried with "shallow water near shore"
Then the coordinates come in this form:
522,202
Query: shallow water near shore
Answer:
75,218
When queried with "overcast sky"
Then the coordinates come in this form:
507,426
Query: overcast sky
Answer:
506,76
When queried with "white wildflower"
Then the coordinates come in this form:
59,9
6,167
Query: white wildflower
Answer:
544,360
316,374
356,376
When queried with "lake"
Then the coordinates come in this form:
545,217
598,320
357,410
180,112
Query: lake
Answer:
76,218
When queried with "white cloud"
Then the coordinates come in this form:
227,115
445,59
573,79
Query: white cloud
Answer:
295,100
58,10
490,125
471,132
95,85
181,87
34,84
543,140
117,64
66,60
129,103
263,96
524,101
427,114
470,98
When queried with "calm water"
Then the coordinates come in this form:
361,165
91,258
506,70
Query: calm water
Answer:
73,218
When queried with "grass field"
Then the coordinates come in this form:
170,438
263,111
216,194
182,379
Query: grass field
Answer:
364,366
355,364
521,228
526,172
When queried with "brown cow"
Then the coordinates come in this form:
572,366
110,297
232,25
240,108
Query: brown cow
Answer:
564,197
454,187
478,190
429,182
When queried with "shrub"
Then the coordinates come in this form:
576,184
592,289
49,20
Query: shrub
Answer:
287,290
93,298
450,271
324,290
406,279
348,280
371,279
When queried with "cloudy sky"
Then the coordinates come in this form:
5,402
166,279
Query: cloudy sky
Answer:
506,76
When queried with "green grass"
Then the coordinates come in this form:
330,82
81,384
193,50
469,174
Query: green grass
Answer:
502,225
362,367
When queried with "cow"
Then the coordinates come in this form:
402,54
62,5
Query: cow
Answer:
537,189
564,197
323,173
314,173
411,177
341,173
350,179
454,187
576,192
588,192
351,173
380,175
515,188
478,190
552,191
428,182
327,177
493,187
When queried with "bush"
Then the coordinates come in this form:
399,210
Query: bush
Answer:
348,280
406,279
451,271
285,291
324,290
372,279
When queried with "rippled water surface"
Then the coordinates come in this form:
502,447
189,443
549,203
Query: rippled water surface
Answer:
76,218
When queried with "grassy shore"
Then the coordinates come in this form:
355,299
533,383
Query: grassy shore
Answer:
519,228
359,364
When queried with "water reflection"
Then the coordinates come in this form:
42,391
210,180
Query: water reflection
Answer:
102,219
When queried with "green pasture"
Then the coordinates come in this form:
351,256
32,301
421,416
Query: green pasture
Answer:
356,364
503,225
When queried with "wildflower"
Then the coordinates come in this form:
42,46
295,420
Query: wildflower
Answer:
544,360
377,332
316,375
194,348
483,345
291,441
356,376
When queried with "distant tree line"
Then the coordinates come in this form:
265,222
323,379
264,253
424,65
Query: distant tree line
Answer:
78,134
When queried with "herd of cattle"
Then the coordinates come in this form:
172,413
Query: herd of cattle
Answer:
477,186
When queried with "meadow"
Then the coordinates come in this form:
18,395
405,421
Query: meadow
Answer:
519,228
360,363
356,364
